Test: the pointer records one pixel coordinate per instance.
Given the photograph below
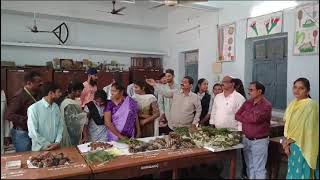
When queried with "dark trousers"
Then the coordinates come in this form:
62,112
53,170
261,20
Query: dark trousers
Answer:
244,166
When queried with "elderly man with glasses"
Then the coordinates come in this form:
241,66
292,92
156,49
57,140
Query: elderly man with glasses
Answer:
226,105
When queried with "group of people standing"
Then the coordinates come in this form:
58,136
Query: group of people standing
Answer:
154,107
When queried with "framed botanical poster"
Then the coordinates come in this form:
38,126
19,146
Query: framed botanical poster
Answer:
226,42
265,25
306,37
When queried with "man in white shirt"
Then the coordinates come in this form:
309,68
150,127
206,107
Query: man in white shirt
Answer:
116,78
130,90
225,106
107,89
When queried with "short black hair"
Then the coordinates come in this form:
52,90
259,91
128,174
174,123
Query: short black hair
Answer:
259,86
170,71
144,86
217,84
75,86
190,79
120,87
49,86
101,94
30,76
162,75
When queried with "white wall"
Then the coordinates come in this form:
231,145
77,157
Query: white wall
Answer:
206,42
298,66
202,38
14,29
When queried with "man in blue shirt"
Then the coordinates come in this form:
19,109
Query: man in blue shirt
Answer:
45,124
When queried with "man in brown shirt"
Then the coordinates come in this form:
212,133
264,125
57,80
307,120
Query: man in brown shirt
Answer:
17,110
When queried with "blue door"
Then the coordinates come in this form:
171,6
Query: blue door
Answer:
270,68
192,71
191,66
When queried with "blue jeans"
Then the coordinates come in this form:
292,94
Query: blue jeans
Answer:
21,140
256,155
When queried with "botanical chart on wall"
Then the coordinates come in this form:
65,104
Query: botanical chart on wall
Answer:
306,40
264,25
226,42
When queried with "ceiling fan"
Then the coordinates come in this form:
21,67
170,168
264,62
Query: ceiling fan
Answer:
173,3
114,10
58,31
34,28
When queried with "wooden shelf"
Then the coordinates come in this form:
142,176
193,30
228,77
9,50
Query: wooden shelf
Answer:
82,48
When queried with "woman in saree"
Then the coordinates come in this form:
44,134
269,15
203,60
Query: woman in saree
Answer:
121,115
74,118
148,109
301,131
95,128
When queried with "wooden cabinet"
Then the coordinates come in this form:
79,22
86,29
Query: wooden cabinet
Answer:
46,73
145,67
125,78
64,78
12,79
15,81
142,74
105,78
15,78
146,62
4,79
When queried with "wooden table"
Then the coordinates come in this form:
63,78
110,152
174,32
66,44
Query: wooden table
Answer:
77,169
275,156
276,128
157,161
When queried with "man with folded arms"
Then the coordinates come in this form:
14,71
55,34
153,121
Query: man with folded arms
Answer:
255,116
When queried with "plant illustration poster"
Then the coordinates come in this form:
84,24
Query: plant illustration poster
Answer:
264,25
306,37
226,42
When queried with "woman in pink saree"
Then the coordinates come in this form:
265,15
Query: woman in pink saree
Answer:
120,115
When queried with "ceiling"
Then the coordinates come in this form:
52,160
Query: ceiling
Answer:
136,14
